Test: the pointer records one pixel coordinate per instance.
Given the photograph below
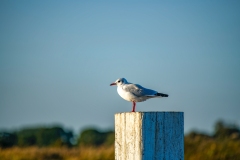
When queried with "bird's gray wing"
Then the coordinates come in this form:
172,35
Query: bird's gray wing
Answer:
139,91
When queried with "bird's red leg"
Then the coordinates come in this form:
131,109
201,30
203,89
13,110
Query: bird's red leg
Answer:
134,105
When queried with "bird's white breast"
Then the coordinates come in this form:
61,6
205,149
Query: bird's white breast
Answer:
125,95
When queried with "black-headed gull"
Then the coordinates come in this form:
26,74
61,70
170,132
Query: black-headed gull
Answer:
134,92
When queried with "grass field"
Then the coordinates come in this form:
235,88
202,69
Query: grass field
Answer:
196,148
46,153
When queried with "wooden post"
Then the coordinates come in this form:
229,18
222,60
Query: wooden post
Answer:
149,136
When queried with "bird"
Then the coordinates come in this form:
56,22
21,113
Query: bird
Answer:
135,92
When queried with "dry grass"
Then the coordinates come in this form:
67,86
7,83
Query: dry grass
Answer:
36,153
197,148
211,149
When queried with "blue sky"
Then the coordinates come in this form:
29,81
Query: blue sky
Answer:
57,59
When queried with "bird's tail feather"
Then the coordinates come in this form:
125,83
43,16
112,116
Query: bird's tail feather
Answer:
162,95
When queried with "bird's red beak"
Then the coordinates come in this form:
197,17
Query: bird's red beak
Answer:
112,84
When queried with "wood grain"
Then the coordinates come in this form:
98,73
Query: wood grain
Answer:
149,136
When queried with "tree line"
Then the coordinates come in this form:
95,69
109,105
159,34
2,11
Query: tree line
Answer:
54,136
222,144
57,136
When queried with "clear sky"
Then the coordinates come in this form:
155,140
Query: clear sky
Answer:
57,59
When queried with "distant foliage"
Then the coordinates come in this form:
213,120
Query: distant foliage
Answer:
224,130
39,136
224,144
43,136
7,139
201,147
54,137
93,137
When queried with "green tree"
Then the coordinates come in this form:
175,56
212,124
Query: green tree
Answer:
44,136
93,137
224,130
7,139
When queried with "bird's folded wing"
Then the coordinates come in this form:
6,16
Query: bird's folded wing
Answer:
138,90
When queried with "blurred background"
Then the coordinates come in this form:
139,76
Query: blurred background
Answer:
58,58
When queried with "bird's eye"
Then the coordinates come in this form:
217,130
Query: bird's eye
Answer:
119,81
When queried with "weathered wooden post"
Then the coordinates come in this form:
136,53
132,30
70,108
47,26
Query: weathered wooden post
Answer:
149,136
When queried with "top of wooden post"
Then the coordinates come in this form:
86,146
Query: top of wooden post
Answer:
150,112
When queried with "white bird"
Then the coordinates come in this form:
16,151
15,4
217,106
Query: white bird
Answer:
134,92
